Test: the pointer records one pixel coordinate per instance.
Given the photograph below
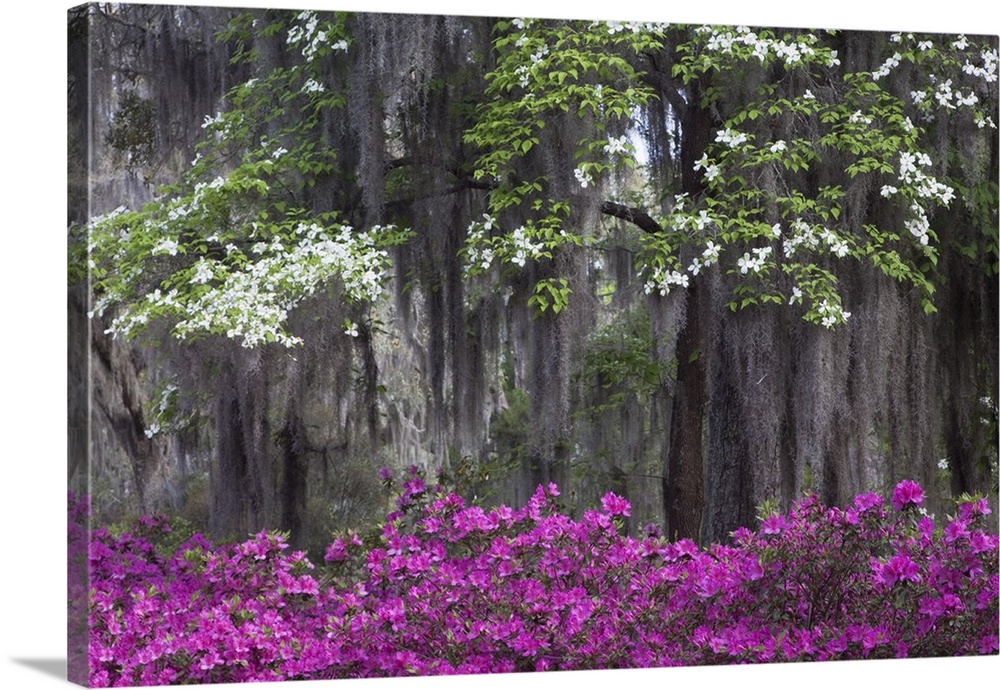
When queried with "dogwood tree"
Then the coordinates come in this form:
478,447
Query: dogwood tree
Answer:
810,163
228,250
784,177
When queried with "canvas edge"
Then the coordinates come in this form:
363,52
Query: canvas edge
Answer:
78,380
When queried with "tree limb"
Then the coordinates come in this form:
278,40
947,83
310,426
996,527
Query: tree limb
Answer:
633,215
636,216
657,78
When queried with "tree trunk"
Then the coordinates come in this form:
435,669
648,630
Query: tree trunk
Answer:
294,446
683,496
549,402
241,481
729,480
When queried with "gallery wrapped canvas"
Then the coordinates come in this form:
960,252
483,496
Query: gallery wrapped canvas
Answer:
426,344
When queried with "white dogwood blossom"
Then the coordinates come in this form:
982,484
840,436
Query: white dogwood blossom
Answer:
523,247
250,299
614,27
731,137
711,170
308,34
887,66
617,145
166,246
726,41
516,247
831,314
803,234
662,281
755,263
313,86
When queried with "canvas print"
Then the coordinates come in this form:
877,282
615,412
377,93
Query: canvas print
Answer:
412,344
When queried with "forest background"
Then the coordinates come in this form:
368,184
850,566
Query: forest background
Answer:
34,354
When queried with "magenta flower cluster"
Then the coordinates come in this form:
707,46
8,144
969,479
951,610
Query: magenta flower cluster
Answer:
445,587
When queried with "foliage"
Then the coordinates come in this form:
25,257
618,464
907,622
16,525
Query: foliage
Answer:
620,358
509,433
231,250
480,478
243,277
761,192
764,218
443,587
557,75
547,68
232,253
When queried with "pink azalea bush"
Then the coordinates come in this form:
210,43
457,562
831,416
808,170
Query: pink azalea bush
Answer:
445,587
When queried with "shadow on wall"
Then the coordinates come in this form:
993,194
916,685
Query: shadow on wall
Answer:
50,667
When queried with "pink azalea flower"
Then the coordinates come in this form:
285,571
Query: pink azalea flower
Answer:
906,493
970,509
899,567
615,505
773,524
866,501
955,529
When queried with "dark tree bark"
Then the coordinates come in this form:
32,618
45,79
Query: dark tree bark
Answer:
241,484
548,453
729,481
293,441
683,495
